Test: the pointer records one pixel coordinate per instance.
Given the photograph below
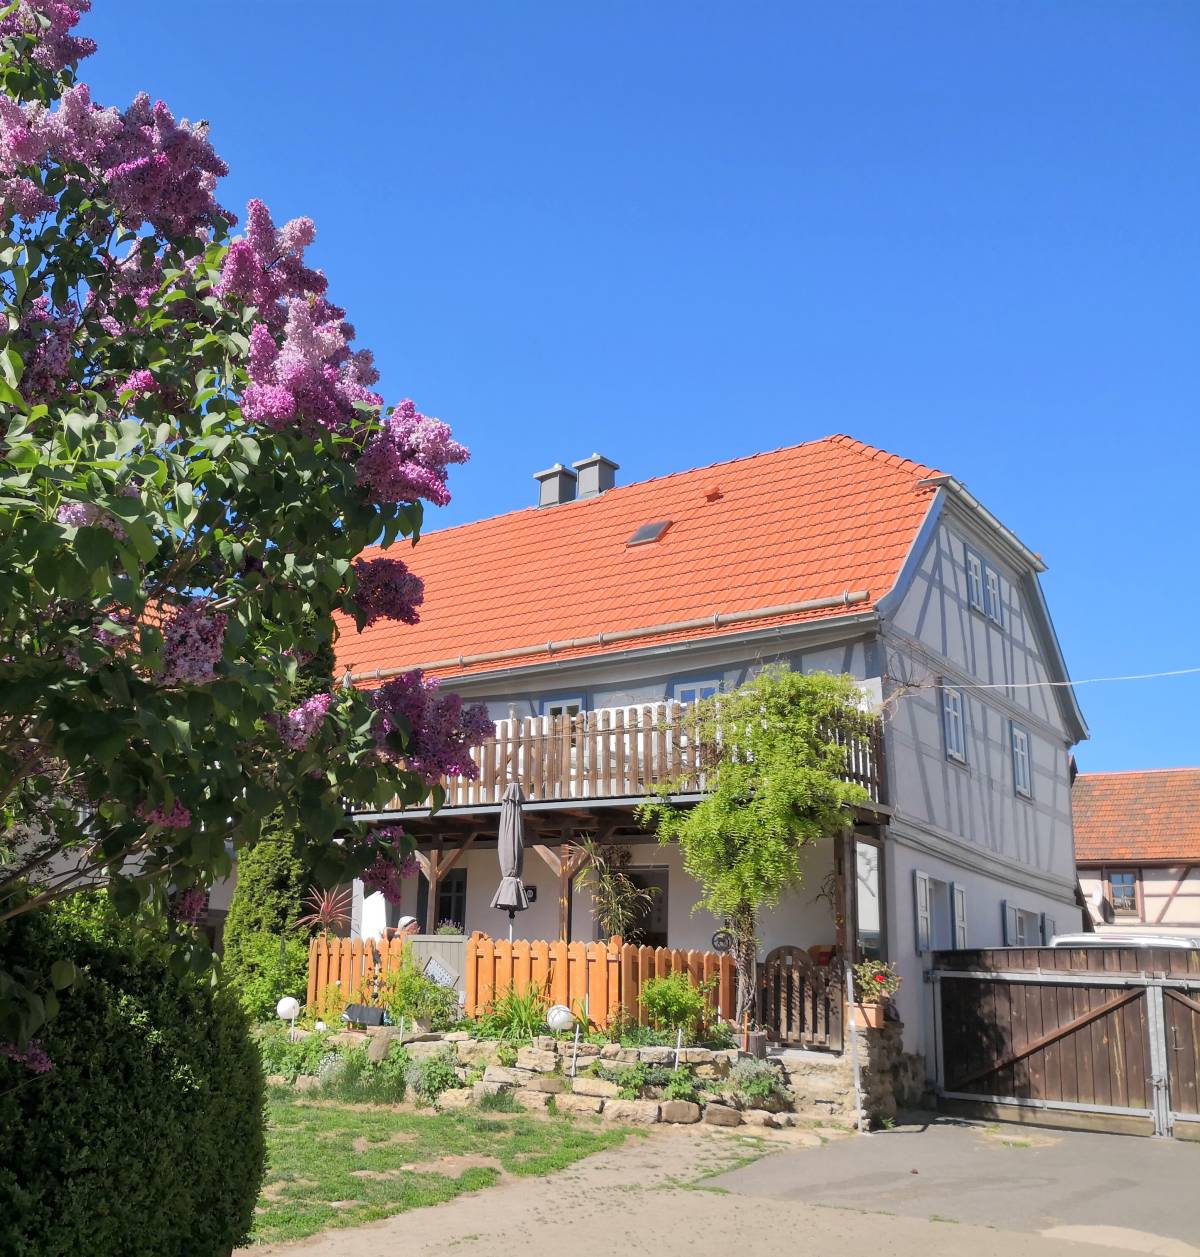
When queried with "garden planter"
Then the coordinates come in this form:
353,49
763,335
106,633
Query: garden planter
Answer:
868,1016
755,1042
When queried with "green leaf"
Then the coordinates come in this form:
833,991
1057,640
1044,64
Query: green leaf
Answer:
62,974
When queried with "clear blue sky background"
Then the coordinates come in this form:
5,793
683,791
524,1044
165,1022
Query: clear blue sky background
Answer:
684,232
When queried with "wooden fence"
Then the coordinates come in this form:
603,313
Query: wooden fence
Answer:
608,976
1103,1037
615,752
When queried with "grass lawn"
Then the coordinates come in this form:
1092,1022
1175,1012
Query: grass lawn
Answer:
332,1165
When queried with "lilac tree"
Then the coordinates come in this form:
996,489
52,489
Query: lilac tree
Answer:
193,455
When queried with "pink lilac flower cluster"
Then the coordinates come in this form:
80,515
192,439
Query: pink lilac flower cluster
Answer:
312,379
33,1056
89,515
296,727
175,817
193,641
56,48
140,383
387,590
383,876
51,333
159,171
443,732
408,459
266,268
187,906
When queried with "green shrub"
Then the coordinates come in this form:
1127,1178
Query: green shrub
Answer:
406,992
681,1086
755,1081
673,1003
269,967
269,894
499,1102
281,1056
146,1136
428,1077
515,1015
506,1054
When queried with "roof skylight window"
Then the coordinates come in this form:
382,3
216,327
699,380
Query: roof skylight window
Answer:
649,532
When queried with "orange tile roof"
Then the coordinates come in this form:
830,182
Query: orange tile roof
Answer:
1134,816
806,522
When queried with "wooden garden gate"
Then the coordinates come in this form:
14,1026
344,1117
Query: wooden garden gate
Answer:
799,1001
1107,1035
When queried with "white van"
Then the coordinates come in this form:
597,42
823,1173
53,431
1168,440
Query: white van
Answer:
1122,938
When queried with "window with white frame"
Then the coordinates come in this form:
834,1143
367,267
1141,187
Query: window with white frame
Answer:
1023,928
695,691
991,594
974,580
562,706
954,723
1022,766
1123,884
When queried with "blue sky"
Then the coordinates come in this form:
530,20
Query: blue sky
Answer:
679,233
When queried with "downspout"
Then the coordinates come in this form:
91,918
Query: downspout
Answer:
848,968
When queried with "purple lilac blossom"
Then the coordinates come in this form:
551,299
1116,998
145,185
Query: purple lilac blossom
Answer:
193,641
296,727
187,906
407,459
443,732
140,383
89,515
56,47
266,267
49,356
383,876
33,1056
387,590
175,817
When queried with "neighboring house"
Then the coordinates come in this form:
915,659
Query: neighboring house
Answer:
1137,847
581,621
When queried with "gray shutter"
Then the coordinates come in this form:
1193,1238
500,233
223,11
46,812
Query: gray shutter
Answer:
921,907
1009,923
958,908
1049,929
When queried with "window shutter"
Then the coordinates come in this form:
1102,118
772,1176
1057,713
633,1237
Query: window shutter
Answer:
958,902
921,906
1049,929
1009,919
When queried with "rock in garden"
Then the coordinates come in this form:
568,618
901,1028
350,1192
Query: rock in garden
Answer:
307,1082
657,1055
610,1051
681,1111
698,1056
377,1050
721,1115
472,1050
594,1087
528,1098
760,1117
537,1059
456,1036
500,1076
571,1103
546,1042
550,1084
455,1098
636,1112
481,1089
423,1049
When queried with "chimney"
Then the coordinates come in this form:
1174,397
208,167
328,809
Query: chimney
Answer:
555,485
595,475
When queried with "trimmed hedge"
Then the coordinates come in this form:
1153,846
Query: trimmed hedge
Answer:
147,1134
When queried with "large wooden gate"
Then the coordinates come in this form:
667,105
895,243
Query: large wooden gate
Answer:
1109,1036
799,1001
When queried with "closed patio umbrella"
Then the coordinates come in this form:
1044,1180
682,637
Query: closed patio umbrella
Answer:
510,847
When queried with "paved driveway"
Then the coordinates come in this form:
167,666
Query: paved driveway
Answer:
1139,1195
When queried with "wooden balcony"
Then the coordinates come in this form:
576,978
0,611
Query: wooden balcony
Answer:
611,753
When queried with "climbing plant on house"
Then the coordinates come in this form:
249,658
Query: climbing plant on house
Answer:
773,754
193,458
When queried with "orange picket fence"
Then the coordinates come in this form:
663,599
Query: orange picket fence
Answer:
348,961
605,976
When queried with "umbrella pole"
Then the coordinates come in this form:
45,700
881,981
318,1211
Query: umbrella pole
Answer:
511,917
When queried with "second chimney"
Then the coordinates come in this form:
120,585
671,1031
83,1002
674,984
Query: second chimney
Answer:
596,475
556,485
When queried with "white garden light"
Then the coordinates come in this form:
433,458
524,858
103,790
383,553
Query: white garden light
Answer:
288,1009
560,1017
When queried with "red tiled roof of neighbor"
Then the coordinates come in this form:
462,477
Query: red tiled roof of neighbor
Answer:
1133,816
807,522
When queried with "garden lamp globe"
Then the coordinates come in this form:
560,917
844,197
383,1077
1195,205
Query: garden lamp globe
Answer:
560,1017
288,1008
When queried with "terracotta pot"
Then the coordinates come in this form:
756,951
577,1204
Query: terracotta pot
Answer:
868,1016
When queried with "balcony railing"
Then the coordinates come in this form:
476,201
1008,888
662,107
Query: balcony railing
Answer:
611,753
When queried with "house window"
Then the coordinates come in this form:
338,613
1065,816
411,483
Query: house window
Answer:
1022,769
695,691
451,899
562,706
1123,888
1021,928
954,724
991,594
974,580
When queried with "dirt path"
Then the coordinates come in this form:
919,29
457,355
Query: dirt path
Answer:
644,1198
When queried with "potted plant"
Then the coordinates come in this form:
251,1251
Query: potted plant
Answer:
875,982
